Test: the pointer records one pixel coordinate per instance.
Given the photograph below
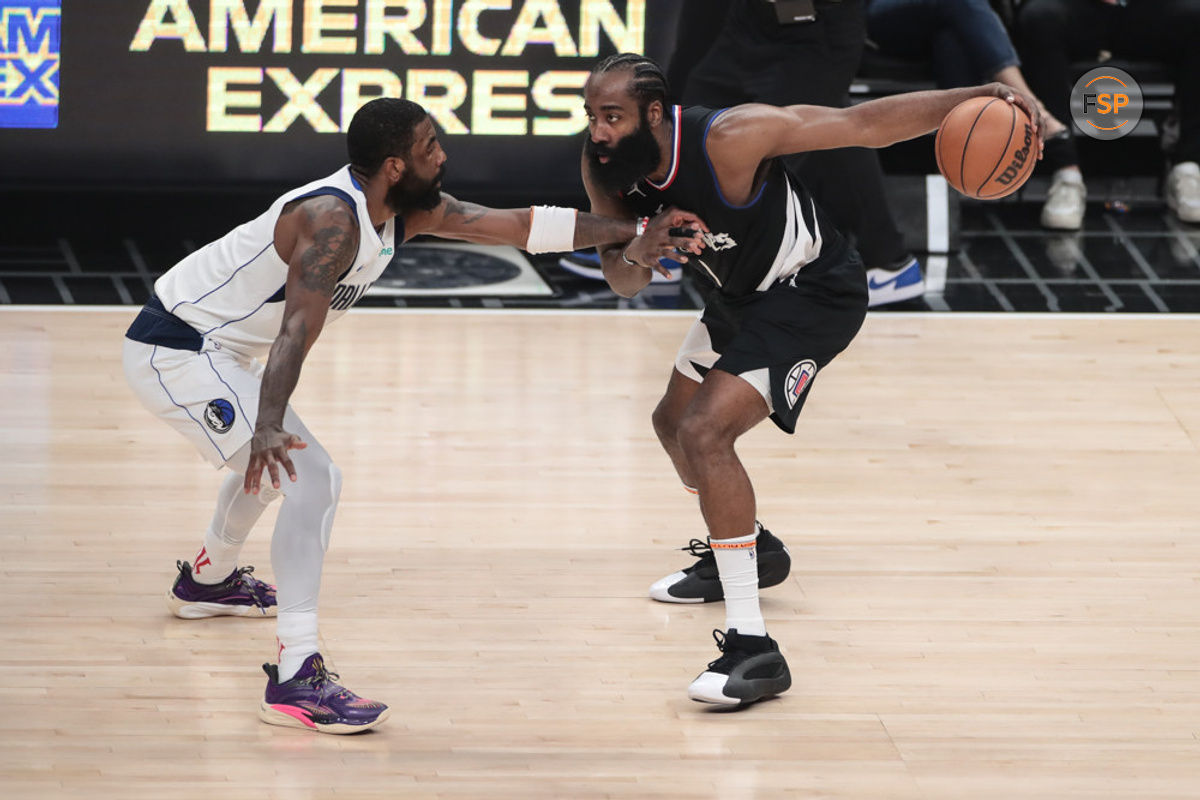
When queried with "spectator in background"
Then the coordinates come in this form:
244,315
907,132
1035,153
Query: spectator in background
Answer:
753,57
1052,33
965,39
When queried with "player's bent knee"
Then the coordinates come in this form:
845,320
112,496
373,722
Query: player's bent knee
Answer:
700,436
316,475
665,425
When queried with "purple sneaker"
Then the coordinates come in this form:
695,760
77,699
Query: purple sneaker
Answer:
312,700
239,595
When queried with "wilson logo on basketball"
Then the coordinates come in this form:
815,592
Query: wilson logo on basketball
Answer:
986,147
1019,157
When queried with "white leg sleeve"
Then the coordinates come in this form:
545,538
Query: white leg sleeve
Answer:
232,521
299,543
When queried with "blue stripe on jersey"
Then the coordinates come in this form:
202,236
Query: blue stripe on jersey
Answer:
227,280
239,319
336,192
358,186
713,172
330,190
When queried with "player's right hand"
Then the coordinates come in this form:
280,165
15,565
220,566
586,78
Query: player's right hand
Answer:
269,448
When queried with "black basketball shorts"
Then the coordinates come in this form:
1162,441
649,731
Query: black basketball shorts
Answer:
778,340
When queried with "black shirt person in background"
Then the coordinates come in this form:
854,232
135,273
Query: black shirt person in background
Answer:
752,57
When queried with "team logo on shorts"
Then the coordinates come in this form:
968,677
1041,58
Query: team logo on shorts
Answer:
798,379
219,415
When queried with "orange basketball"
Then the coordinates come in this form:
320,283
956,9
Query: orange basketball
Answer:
986,148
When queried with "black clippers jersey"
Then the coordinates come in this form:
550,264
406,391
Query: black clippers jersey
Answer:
750,247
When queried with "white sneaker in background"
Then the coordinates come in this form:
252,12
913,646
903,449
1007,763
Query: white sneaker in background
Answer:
1065,202
901,281
1183,191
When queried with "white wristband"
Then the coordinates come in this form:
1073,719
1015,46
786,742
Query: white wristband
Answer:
551,229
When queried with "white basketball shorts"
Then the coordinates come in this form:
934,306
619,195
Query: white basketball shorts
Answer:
210,396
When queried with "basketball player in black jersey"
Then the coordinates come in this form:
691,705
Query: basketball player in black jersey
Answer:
785,294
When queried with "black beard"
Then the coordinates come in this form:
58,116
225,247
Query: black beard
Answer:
633,158
410,193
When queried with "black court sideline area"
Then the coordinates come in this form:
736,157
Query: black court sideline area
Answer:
90,247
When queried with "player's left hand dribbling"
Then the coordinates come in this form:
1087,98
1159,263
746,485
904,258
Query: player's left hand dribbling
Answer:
269,448
1030,105
671,234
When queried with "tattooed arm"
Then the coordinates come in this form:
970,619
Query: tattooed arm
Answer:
456,219
318,238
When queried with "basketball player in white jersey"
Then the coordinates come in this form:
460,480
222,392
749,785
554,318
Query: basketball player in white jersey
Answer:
268,288
785,293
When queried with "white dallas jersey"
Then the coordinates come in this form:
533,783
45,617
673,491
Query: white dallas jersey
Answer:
232,290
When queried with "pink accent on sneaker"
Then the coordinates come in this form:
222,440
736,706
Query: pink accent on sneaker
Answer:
298,713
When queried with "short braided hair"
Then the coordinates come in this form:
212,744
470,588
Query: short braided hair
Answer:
648,84
384,127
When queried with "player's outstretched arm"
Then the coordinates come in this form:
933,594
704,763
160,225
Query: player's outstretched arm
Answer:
318,238
540,229
745,135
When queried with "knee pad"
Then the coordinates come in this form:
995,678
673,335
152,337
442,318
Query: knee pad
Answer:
316,475
317,488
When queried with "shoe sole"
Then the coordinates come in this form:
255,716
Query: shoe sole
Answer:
884,297
773,570
1182,216
273,716
582,270
1068,227
731,703
597,274
185,609
713,696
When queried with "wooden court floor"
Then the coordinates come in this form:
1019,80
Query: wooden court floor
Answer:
994,520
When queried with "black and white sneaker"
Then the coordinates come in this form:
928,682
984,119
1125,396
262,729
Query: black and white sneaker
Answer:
750,668
700,583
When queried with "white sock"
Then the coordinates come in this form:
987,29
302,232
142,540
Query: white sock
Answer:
737,565
296,634
235,515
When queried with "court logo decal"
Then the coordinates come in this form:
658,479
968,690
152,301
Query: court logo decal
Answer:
798,379
219,415
29,55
